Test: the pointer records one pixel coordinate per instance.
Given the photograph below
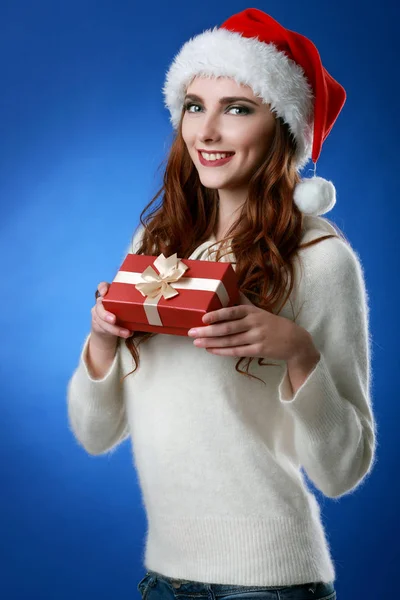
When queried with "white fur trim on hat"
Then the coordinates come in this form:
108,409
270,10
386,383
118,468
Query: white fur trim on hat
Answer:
273,76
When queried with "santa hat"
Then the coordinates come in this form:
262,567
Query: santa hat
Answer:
284,69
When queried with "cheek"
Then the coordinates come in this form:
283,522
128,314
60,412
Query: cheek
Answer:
185,130
259,145
189,140
249,142
188,126
188,143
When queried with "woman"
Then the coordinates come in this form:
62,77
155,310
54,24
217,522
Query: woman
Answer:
219,451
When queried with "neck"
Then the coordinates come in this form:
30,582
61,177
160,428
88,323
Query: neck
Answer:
229,207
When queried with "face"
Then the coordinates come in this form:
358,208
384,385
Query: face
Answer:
244,128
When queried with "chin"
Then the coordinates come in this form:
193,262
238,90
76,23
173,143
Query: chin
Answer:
212,185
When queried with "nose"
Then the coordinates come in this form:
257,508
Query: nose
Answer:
208,129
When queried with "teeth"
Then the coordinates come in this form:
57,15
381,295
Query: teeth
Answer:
217,156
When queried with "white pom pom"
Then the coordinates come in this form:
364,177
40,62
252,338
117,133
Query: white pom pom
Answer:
315,196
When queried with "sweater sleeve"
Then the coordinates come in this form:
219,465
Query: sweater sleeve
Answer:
96,407
334,427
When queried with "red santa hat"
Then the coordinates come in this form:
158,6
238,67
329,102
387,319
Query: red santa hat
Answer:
283,68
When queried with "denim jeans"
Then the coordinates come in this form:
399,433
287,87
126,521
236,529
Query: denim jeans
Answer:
159,587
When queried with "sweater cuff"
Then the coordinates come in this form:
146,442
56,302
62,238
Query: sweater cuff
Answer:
317,403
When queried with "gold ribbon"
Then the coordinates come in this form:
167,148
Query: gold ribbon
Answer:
156,284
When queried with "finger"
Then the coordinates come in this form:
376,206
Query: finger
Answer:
248,350
228,341
102,288
101,326
111,329
103,313
222,329
225,314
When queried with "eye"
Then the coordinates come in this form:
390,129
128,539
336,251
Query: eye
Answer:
247,110
189,105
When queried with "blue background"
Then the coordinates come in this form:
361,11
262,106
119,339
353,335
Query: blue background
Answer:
83,134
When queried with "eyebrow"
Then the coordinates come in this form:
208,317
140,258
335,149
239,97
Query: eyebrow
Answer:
224,100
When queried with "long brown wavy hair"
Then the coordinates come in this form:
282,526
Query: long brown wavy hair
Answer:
265,238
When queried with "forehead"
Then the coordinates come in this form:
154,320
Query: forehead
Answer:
218,86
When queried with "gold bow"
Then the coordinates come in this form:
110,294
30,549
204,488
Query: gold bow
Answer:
157,284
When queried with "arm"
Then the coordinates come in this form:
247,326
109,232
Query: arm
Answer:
96,409
96,402
326,387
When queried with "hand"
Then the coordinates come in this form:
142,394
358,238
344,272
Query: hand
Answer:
247,330
104,332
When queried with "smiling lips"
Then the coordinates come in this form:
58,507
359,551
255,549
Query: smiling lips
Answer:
214,163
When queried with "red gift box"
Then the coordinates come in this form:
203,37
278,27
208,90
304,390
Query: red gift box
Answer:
169,295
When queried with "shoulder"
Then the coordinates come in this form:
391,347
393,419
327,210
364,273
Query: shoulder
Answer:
330,278
332,289
332,259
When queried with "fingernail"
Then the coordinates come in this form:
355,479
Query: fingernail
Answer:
110,318
192,332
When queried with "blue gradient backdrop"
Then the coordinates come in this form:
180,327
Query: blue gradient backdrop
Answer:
83,132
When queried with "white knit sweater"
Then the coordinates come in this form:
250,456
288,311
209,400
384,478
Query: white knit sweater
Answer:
219,455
